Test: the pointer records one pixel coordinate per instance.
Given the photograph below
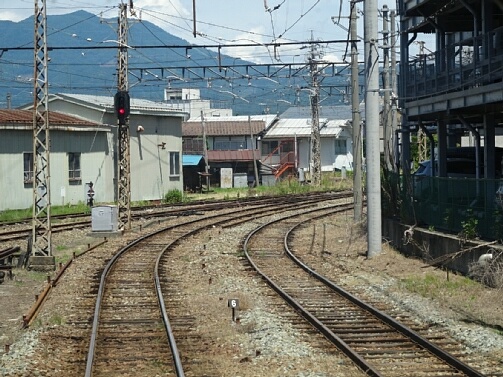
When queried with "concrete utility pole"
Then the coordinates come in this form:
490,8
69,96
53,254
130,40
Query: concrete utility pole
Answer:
315,118
123,168
41,254
374,233
357,129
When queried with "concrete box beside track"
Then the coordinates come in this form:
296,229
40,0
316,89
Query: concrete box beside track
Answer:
104,218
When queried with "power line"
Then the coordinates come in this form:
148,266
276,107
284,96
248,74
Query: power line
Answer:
187,47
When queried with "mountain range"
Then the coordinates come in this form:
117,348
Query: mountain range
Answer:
83,59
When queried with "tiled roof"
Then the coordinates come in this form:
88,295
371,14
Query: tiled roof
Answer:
226,128
235,155
24,117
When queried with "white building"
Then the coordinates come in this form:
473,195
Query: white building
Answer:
286,145
189,101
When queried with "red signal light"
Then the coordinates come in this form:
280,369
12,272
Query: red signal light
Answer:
121,104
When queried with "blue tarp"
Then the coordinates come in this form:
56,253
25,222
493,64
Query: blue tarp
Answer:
191,159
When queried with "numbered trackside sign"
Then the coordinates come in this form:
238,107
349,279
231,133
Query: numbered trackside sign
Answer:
233,303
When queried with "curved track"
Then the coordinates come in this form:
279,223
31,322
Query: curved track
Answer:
131,330
377,343
60,223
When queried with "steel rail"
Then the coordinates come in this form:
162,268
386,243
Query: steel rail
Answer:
356,358
406,331
96,318
172,210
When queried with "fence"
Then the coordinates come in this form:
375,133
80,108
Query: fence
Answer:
456,205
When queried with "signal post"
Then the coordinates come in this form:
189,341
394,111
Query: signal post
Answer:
122,109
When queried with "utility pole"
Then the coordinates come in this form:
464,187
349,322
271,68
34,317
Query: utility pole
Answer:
394,91
374,233
315,118
41,253
386,112
123,168
357,129
255,169
205,151
422,141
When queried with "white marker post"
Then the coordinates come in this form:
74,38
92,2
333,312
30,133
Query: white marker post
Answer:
233,303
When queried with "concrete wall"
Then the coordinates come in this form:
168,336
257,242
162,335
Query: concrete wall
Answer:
429,245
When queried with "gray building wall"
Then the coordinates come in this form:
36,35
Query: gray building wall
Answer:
151,167
149,162
96,166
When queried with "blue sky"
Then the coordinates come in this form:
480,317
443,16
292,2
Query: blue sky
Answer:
228,22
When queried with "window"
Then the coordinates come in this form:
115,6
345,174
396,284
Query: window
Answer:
28,167
174,163
229,144
268,147
74,167
288,146
340,146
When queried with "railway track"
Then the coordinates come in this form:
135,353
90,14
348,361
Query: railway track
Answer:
131,328
376,342
17,230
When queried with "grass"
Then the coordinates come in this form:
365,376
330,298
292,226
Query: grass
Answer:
429,285
27,213
330,181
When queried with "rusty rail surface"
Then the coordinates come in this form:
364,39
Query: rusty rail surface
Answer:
126,284
370,338
30,316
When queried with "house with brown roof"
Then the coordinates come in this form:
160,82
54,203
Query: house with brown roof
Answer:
232,145
81,152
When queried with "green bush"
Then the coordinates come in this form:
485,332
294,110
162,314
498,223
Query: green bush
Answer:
173,196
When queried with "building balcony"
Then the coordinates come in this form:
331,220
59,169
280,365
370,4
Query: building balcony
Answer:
468,64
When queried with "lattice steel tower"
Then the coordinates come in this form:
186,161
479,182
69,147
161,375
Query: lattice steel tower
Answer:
315,117
41,224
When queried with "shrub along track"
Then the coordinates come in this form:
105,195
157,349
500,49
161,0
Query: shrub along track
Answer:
376,342
129,331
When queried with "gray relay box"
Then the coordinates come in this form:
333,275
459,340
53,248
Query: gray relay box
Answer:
104,218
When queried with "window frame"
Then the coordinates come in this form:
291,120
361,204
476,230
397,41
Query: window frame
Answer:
338,148
28,169
74,172
174,163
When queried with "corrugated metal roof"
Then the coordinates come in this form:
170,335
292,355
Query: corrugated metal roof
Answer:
331,112
222,128
191,159
302,128
266,118
239,155
108,102
25,117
